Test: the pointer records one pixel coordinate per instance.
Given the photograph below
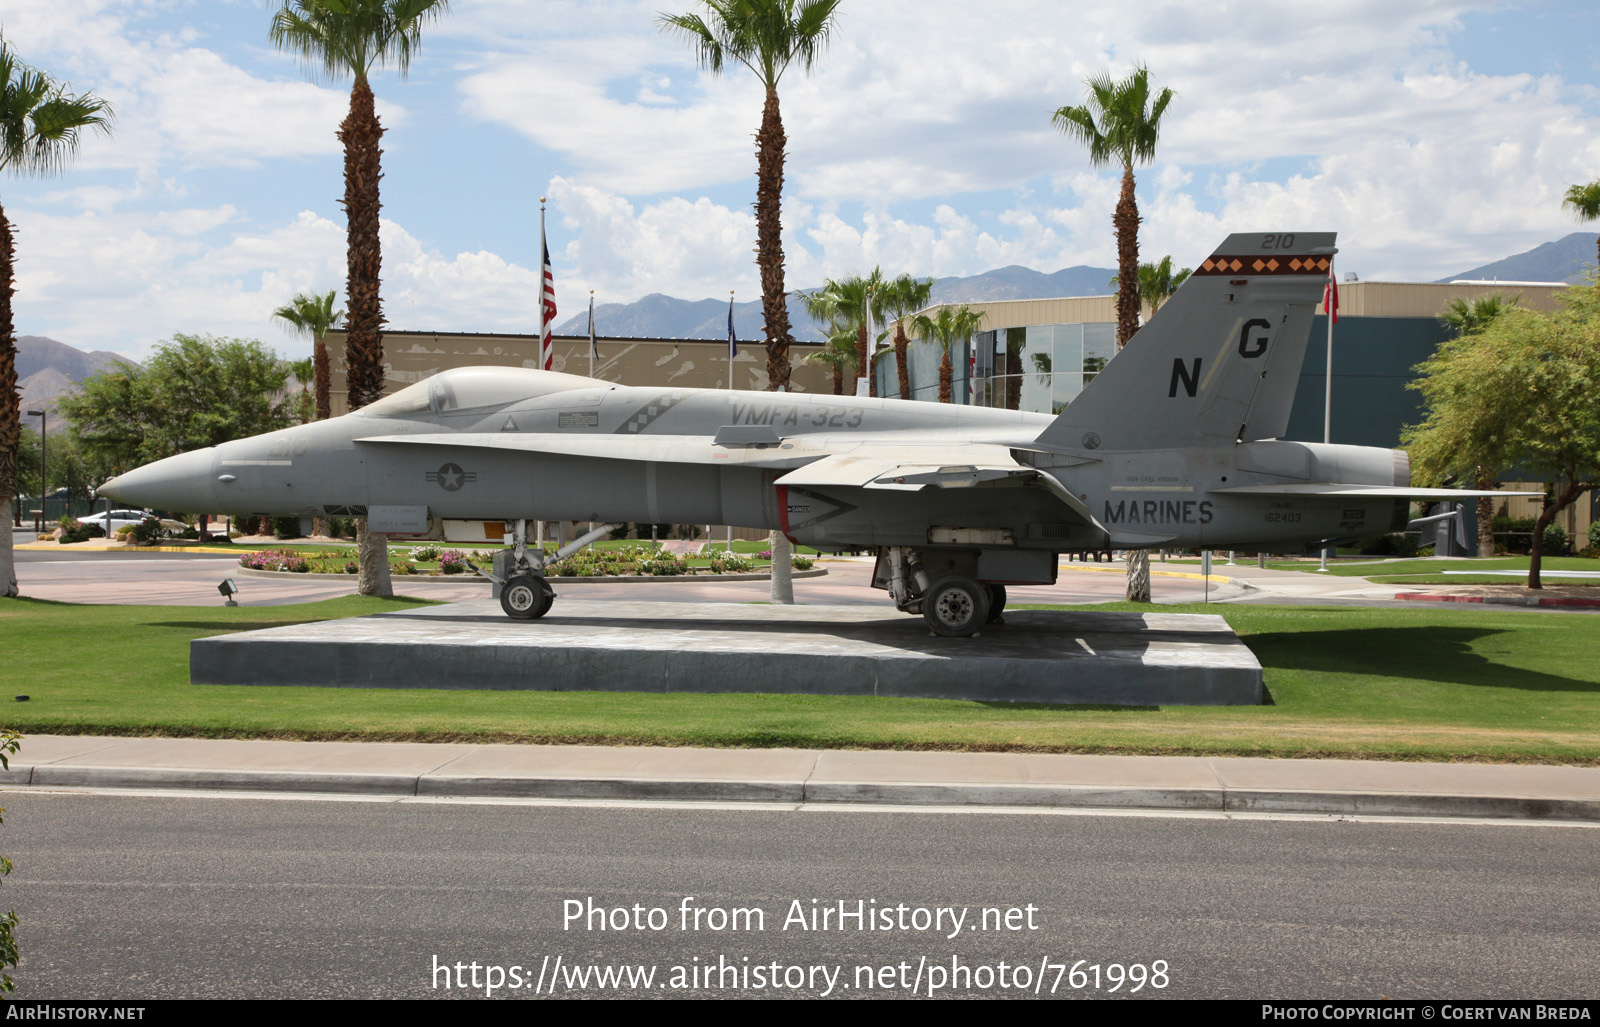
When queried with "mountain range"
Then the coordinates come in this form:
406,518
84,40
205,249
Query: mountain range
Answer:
1568,259
47,369
666,317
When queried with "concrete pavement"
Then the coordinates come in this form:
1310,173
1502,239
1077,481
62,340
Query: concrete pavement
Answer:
798,776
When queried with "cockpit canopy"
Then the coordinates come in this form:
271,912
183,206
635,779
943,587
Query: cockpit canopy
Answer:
471,388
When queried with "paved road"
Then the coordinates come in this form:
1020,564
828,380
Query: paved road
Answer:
144,897
179,579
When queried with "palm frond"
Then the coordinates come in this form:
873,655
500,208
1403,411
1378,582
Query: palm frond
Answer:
40,121
336,39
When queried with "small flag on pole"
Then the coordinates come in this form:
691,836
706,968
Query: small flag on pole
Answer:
594,348
1330,296
547,300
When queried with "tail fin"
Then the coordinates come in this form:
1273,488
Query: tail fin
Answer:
1218,362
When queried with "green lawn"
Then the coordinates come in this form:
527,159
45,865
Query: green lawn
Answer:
1486,684
1352,568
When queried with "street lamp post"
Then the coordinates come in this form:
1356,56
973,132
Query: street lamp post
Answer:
44,480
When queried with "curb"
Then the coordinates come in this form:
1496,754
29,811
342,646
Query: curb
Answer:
1434,597
461,579
1215,579
1100,797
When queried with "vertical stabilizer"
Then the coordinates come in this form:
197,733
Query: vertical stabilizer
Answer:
1218,362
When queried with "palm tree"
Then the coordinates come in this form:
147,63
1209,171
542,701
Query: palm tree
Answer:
951,326
303,370
338,38
1157,283
765,36
1584,201
899,299
1463,318
838,354
314,315
842,306
40,126
1119,125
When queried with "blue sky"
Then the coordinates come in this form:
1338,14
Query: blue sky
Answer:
1433,135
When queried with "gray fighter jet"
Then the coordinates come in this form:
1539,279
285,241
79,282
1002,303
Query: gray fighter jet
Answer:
1174,444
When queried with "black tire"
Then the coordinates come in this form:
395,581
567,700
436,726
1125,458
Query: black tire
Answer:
997,603
526,597
955,607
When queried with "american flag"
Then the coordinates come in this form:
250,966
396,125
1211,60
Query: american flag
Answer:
547,311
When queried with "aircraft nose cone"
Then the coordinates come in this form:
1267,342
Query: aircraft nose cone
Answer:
183,484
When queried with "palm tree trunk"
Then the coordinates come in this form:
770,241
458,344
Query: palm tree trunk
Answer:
770,144
1126,222
862,361
1138,562
944,378
782,587
900,345
322,373
361,133
372,556
1485,516
10,409
838,379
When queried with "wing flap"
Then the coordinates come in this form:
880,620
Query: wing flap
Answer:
870,472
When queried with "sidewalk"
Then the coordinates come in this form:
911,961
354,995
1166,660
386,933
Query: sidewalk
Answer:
796,776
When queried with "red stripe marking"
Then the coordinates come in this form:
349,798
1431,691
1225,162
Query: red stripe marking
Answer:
783,508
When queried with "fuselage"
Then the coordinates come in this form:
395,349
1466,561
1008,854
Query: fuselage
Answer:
583,467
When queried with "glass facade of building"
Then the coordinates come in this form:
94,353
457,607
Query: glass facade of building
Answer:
1048,364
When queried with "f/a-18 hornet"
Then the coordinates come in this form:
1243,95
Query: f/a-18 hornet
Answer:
1174,444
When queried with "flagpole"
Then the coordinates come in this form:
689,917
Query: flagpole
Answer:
872,344
543,247
731,345
1332,304
591,333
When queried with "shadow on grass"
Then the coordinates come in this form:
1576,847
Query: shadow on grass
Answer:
1441,654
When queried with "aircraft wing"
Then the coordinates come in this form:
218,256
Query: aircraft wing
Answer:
690,449
1331,489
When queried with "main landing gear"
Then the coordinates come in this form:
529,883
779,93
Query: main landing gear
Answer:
953,604
525,593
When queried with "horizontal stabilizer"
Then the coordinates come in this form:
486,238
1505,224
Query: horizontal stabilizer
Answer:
1326,488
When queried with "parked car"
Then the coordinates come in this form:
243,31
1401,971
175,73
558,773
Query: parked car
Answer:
119,519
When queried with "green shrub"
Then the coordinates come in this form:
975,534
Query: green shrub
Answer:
79,532
426,554
147,532
1594,534
285,527
1397,544
803,563
1555,540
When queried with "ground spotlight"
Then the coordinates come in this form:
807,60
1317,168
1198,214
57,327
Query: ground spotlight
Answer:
228,590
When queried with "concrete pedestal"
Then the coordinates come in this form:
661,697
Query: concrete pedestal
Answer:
1038,656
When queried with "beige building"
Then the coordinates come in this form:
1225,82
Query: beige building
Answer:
409,357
